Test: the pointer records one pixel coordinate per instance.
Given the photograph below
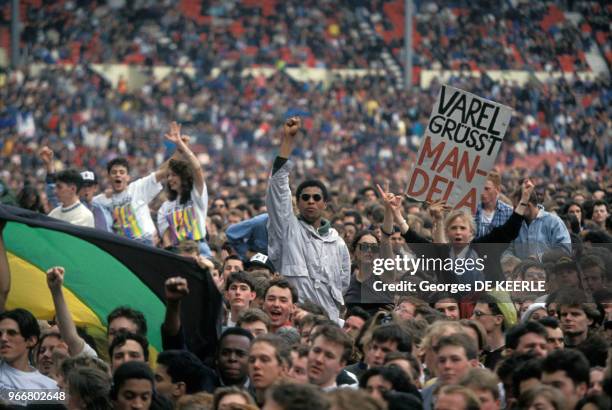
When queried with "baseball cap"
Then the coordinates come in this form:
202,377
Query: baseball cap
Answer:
89,178
260,260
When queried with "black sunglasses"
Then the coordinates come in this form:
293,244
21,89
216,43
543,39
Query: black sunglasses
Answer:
316,197
371,247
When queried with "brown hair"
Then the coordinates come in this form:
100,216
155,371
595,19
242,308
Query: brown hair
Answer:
495,178
221,392
483,379
197,401
412,300
253,315
458,340
282,350
479,329
471,401
554,396
349,399
336,335
184,171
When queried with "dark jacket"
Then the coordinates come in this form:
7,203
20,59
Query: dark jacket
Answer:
489,247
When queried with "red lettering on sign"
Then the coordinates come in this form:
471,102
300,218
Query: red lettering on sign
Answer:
469,200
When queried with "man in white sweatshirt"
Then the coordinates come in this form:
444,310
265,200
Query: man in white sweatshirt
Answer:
67,186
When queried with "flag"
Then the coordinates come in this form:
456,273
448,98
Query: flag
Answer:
104,271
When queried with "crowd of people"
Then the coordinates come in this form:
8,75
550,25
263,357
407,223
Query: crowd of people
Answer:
306,325
287,194
369,129
168,32
319,34
502,36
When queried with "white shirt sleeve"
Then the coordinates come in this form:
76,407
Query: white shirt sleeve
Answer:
87,351
145,189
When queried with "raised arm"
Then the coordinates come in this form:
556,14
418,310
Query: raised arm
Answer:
175,289
507,232
55,280
394,204
290,130
5,272
391,202
162,172
526,190
46,156
181,145
438,210
278,196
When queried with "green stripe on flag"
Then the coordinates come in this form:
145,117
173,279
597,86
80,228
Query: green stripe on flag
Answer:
96,277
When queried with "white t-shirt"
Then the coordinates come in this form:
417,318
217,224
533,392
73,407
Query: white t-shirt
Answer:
185,221
86,351
12,379
130,208
486,217
76,214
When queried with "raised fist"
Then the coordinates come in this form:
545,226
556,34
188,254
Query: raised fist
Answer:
55,277
176,288
46,154
292,126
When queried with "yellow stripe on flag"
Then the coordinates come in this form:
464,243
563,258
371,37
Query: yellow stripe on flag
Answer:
29,291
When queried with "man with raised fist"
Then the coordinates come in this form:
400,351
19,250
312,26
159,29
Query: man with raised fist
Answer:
76,344
305,248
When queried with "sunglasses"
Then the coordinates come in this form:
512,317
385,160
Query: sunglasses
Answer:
478,313
369,247
315,197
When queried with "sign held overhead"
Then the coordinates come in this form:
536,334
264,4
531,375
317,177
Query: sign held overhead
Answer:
459,148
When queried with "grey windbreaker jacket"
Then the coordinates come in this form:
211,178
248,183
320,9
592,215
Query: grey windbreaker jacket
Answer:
319,266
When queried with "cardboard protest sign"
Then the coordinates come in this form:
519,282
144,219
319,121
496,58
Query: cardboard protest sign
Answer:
459,148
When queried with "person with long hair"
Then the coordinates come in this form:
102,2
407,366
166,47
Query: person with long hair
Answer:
30,198
365,249
183,215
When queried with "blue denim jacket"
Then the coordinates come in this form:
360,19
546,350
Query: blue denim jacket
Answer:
545,232
249,234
